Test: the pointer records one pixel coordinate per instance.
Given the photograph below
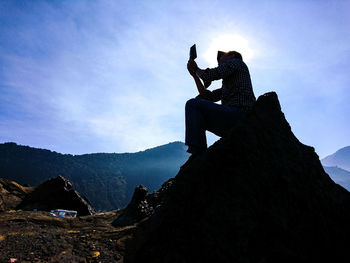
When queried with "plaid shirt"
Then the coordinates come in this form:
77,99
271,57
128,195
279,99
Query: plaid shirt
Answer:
236,89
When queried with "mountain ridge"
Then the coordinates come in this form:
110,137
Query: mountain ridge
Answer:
107,179
340,158
339,175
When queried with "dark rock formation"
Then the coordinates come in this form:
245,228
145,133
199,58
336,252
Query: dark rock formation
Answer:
57,193
142,205
257,195
11,194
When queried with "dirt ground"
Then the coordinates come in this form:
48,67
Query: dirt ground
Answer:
40,237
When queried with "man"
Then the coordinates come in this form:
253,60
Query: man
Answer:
236,95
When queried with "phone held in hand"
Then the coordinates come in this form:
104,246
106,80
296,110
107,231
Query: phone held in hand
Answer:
193,52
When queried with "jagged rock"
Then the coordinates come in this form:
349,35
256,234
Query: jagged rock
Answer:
56,193
11,194
137,209
257,195
142,205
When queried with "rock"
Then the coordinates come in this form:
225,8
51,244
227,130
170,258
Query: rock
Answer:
56,193
257,195
11,194
142,205
136,210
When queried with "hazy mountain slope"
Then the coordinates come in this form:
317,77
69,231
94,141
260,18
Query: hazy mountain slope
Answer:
340,176
107,179
340,158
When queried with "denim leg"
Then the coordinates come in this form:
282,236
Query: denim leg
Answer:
202,115
195,127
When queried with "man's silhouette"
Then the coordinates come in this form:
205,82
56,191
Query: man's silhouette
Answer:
236,95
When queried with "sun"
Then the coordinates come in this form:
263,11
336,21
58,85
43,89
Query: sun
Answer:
228,42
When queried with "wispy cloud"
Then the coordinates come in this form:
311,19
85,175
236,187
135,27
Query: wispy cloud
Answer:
83,76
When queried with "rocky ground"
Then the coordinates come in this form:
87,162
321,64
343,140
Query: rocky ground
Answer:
40,237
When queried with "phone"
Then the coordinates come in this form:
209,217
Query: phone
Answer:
193,52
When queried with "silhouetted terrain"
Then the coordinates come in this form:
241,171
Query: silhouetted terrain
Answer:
257,195
106,179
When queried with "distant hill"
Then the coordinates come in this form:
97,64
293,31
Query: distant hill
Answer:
340,158
338,175
106,179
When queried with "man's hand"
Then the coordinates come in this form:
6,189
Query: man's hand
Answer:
192,67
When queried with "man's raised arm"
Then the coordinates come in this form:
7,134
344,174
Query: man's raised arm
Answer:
203,92
192,67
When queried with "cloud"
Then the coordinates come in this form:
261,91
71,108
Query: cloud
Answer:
110,87
82,76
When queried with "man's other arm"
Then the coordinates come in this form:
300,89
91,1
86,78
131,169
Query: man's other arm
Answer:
214,95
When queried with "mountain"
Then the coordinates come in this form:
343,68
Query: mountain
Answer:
340,176
337,165
106,179
340,158
256,195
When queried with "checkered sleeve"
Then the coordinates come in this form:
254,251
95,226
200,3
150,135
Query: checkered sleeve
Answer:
219,72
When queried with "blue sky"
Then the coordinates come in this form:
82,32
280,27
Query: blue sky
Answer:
110,76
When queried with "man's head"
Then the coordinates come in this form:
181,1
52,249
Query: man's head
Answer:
225,56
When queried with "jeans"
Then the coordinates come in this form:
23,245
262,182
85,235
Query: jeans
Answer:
202,115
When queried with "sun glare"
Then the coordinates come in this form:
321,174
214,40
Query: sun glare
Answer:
225,43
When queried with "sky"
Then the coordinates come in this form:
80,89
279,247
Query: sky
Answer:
110,76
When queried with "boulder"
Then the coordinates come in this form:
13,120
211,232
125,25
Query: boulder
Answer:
56,193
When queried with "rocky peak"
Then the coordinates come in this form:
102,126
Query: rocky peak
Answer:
142,205
257,195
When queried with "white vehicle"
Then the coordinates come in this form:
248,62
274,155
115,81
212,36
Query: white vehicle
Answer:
64,213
